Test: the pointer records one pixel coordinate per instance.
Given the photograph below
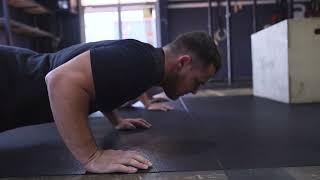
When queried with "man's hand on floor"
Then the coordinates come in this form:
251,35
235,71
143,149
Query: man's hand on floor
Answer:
109,161
159,106
132,123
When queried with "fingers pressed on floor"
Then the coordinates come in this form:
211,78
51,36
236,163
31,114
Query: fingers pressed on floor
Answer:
146,122
141,123
136,164
141,159
122,168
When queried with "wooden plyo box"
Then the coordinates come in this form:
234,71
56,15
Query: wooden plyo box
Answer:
286,61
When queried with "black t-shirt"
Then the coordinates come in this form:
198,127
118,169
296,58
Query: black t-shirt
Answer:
122,70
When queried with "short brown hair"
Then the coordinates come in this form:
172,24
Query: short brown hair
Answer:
199,44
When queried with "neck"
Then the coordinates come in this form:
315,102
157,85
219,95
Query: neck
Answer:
167,64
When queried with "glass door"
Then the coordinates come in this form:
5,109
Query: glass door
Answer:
121,21
101,24
139,23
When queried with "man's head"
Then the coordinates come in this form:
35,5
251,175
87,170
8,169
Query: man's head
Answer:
191,59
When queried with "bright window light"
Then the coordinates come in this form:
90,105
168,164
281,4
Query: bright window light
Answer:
101,26
110,2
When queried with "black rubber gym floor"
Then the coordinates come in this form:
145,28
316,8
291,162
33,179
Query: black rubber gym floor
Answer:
208,134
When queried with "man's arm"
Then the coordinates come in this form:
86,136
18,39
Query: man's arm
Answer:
69,97
153,106
146,101
113,117
132,123
70,88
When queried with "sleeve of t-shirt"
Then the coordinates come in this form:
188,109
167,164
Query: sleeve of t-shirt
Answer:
120,73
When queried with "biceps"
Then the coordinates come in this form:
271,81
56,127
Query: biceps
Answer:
67,97
75,73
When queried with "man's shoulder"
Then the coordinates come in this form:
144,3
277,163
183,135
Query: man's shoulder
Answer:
137,43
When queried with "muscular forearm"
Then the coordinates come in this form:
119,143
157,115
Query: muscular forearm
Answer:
69,105
145,100
113,117
77,137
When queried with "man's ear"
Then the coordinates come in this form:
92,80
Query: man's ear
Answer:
184,60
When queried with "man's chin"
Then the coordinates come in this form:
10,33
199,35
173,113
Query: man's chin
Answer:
172,96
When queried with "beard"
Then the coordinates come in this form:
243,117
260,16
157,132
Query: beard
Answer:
170,87
170,94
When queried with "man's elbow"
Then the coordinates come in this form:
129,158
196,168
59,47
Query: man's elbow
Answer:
48,78
52,80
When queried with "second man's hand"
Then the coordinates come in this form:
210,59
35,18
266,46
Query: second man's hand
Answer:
132,123
159,106
126,123
153,104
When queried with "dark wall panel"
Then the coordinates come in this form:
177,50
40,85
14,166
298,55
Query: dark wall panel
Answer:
69,30
185,20
241,49
192,19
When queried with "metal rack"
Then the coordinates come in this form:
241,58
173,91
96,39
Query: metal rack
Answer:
30,7
21,28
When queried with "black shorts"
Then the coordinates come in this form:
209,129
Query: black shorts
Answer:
6,86
21,103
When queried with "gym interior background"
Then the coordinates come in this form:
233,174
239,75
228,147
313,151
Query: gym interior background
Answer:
258,118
